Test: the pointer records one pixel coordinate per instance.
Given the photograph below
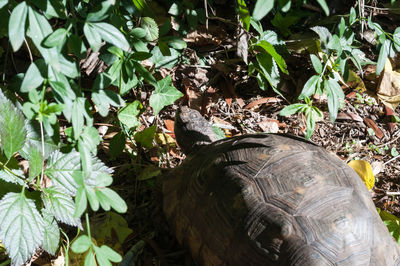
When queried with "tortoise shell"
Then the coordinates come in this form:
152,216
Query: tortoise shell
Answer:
268,199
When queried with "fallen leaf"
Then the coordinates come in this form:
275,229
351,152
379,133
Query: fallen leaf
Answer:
377,167
163,139
269,126
261,101
375,128
389,86
364,170
169,124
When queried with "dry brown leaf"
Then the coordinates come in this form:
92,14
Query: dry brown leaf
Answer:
269,126
389,86
266,100
371,124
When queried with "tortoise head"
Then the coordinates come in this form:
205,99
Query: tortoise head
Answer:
192,130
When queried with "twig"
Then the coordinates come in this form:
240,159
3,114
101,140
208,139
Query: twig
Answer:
393,193
394,158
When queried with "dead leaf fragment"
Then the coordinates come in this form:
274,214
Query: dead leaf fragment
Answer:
364,170
266,100
269,126
371,124
389,86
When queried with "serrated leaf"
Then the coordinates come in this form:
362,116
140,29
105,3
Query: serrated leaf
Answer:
262,8
33,140
129,114
16,25
12,128
164,94
21,227
151,28
10,177
51,233
111,34
61,206
61,167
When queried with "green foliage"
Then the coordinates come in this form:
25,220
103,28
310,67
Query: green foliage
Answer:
123,33
392,222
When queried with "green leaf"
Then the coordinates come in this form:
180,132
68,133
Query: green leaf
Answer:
324,35
164,94
129,115
110,34
57,38
324,6
164,61
262,8
109,197
90,138
3,3
269,70
151,28
12,127
110,254
16,25
335,96
81,244
51,233
21,227
316,63
269,48
39,28
140,56
92,36
103,13
143,72
61,206
394,152
80,202
104,98
78,48
117,145
174,42
146,136
244,14
353,16
383,55
34,76
291,109
61,167
176,9
138,33
68,68
35,163
310,87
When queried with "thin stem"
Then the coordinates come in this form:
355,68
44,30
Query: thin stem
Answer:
88,224
42,140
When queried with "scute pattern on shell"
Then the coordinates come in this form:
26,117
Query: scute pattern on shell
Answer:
269,199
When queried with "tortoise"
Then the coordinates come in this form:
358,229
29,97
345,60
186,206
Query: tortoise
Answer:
269,199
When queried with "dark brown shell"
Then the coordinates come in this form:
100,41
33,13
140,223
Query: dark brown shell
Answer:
274,200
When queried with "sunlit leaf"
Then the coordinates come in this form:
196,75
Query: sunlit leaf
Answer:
364,170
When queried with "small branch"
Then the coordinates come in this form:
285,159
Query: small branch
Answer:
393,193
394,158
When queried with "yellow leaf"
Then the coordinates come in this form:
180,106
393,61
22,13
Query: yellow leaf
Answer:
364,170
164,139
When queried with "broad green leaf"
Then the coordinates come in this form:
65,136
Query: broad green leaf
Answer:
92,36
291,109
34,76
90,139
164,61
269,69
39,28
144,73
68,68
269,48
21,227
316,63
324,35
129,115
109,198
57,38
104,98
3,3
33,141
61,206
99,173
111,34
396,39
176,9
16,25
12,127
138,33
140,56
51,233
77,118
35,163
151,28
92,198
110,254
77,46
244,14
103,13
174,42
117,145
324,6
10,176
335,97
310,87
52,8
262,8
81,244
164,94
256,25
146,136
61,167
383,55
